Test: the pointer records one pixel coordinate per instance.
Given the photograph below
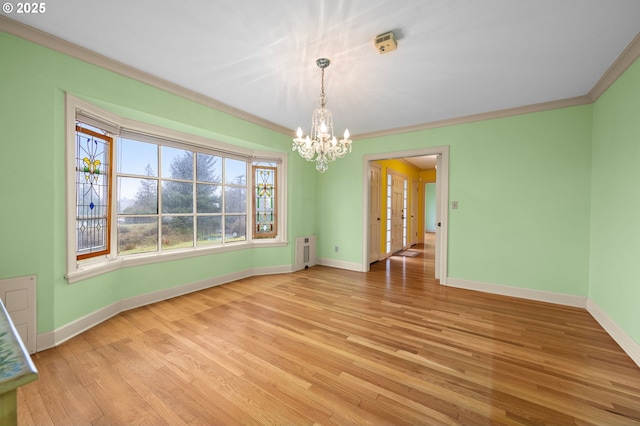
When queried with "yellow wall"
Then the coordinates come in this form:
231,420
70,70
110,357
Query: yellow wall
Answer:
411,173
428,176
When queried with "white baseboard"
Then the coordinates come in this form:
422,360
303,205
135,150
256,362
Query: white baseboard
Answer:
66,332
340,264
523,293
630,346
54,338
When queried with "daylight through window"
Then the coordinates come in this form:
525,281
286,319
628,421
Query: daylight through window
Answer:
140,193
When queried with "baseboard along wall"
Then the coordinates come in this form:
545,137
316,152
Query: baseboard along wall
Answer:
66,332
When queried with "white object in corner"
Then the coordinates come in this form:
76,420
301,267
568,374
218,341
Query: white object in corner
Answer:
19,297
305,252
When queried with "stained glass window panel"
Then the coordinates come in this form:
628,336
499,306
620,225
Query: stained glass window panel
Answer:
264,199
92,170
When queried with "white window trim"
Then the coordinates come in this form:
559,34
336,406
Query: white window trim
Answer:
80,270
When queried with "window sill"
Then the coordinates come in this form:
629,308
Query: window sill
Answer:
93,269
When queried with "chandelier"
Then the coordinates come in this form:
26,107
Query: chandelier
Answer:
321,146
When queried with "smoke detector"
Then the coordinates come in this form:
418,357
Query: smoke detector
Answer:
386,42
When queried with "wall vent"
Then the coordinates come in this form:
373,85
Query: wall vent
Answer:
305,252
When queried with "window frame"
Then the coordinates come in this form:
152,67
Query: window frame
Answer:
85,268
254,212
107,174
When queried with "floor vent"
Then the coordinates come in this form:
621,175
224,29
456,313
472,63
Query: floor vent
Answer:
305,252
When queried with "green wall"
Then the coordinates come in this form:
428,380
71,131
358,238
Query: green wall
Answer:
532,200
523,188
33,81
615,203
430,207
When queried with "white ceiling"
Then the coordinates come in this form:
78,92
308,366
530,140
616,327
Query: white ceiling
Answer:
455,57
423,162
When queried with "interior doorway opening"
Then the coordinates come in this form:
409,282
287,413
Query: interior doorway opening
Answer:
411,228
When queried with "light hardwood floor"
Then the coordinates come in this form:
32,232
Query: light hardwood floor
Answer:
328,346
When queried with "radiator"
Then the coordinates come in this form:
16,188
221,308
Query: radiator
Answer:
305,252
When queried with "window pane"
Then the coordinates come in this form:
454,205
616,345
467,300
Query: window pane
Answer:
209,230
137,235
137,158
177,197
177,232
177,163
92,197
91,235
235,171
137,196
235,199
235,228
209,198
209,168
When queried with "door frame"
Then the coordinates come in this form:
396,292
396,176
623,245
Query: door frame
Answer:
442,189
376,240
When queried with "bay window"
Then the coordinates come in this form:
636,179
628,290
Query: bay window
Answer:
144,193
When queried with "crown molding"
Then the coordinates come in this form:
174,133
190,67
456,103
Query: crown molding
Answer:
47,40
544,106
619,66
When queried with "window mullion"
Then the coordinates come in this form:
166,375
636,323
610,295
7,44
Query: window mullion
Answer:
160,194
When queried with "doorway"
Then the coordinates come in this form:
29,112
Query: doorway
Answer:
442,188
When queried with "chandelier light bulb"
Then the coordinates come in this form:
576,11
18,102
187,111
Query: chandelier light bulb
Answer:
321,145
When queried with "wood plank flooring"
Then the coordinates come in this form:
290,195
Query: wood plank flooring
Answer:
334,347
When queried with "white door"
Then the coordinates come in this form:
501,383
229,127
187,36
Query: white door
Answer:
397,213
374,214
415,197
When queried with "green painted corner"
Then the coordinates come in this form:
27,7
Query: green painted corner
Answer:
614,283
